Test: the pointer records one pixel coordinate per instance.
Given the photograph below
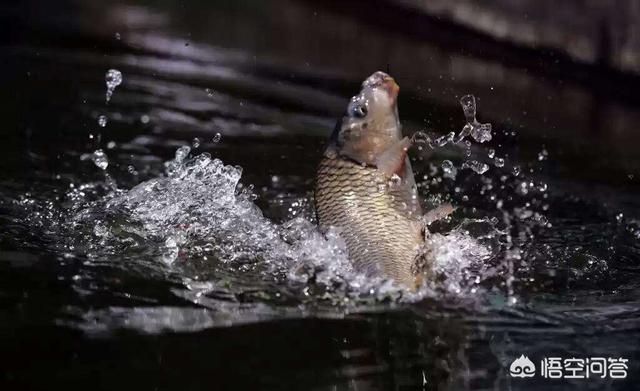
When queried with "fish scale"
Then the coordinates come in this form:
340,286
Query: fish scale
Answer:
378,219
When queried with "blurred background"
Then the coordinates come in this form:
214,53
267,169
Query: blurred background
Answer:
563,75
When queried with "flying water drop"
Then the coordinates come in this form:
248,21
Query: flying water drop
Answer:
478,167
442,140
102,121
516,170
449,169
113,78
480,132
100,159
542,155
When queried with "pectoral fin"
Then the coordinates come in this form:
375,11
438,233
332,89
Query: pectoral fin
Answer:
392,160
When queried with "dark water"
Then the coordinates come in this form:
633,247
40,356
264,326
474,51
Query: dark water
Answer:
189,281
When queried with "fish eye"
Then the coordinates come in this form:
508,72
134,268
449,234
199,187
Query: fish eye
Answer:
359,110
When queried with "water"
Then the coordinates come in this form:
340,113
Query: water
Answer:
179,238
113,78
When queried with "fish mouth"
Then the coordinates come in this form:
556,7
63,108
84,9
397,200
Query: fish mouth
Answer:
383,81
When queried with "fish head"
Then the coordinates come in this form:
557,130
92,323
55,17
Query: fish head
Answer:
371,124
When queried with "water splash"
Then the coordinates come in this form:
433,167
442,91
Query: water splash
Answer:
480,132
198,219
113,79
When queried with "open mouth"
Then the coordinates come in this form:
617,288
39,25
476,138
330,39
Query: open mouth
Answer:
384,81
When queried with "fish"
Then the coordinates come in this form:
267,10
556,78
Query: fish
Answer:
366,190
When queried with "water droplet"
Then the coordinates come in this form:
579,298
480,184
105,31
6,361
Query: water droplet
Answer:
195,143
476,166
498,162
542,155
209,91
468,103
144,119
111,144
113,78
395,180
100,159
217,138
443,140
99,230
492,153
117,35
480,132
516,170
102,121
523,188
420,138
182,153
449,169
